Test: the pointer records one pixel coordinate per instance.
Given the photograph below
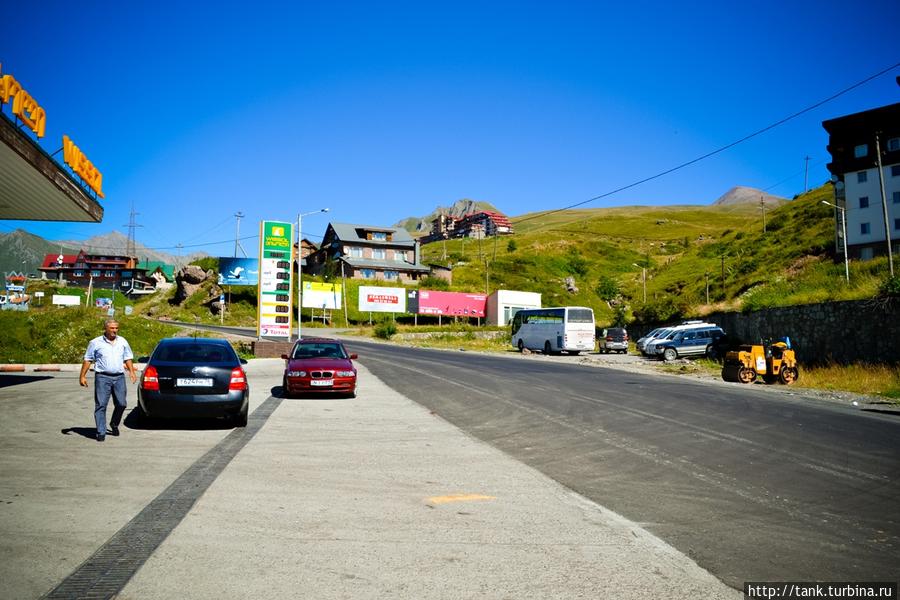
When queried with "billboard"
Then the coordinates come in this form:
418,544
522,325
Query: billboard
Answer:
275,276
454,304
321,295
238,271
382,299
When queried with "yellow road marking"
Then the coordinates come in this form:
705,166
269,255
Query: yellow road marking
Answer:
459,498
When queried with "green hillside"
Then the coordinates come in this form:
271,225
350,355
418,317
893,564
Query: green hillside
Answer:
790,263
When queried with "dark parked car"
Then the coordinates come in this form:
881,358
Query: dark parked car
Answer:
192,378
319,365
614,339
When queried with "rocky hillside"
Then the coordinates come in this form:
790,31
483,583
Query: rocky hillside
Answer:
458,209
24,252
748,195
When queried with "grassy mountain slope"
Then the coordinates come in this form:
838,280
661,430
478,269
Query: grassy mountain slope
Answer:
788,264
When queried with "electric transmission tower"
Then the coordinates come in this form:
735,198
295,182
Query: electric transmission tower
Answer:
132,225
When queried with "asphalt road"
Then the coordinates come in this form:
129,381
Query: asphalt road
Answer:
754,486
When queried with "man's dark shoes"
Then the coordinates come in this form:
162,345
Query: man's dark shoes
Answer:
101,437
114,430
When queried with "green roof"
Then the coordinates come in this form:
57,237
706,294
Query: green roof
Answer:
152,266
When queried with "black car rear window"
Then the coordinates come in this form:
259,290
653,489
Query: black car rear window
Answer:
319,351
194,353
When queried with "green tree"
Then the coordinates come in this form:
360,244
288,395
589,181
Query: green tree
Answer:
607,288
511,246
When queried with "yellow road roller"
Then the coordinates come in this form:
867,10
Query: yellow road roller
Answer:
775,362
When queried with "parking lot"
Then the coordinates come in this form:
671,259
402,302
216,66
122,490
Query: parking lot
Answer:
330,498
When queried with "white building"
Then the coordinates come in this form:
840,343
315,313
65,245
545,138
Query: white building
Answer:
857,186
502,305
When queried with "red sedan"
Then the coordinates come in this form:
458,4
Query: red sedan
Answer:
319,365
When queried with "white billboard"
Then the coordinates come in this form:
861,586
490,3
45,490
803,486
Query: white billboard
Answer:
321,295
64,300
382,299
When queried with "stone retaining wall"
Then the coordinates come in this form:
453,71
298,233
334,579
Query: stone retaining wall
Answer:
844,332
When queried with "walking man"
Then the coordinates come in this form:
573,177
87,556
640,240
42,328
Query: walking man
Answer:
111,356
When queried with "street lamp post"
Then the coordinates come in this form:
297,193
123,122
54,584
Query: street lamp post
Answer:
843,235
300,267
643,279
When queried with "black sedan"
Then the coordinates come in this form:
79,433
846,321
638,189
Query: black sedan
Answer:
192,378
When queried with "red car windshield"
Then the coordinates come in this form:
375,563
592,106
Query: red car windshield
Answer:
319,351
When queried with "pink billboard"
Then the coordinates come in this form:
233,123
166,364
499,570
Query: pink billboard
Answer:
454,304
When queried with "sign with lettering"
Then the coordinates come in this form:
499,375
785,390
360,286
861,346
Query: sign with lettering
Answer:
451,303
274,298
75,158
23,105
382,299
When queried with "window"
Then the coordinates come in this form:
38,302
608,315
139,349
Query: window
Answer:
378,253
895,170
126,274
399,256
95,273
864,202
865,228
862,177
356,252
861,150
893,144
866,253
896,197
391,274
379,235
897,224
367,273
109,274
78,274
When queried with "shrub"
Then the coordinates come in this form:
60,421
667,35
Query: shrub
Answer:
511,246
890,287
433,283
385,330
607,288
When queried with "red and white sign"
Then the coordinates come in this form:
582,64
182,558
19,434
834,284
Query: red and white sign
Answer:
454,304
382,299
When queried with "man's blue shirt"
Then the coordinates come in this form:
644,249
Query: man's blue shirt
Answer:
108,357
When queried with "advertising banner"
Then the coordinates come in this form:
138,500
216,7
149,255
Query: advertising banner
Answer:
321,295
454,304
382,299
238,271
275,276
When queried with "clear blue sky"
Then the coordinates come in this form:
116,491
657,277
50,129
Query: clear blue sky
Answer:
385,110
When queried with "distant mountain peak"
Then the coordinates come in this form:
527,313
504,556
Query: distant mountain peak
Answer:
458,209
740,194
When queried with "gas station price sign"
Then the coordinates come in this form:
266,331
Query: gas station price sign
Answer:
274,298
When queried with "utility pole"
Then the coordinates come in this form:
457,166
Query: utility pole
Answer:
762,204
237,235
887,225
806,176
131,251
723,277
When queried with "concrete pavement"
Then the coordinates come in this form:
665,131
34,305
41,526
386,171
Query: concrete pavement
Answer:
372,497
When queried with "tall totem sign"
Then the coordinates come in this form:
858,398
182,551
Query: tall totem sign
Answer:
274,298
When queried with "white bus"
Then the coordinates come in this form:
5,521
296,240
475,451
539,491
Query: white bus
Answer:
569,328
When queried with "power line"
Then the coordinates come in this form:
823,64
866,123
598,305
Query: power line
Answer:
717,150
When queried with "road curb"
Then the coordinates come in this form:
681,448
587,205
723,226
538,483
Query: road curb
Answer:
12,368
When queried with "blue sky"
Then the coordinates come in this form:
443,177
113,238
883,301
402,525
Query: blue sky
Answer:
381,111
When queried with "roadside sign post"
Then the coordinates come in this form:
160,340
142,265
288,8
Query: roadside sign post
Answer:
222,310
